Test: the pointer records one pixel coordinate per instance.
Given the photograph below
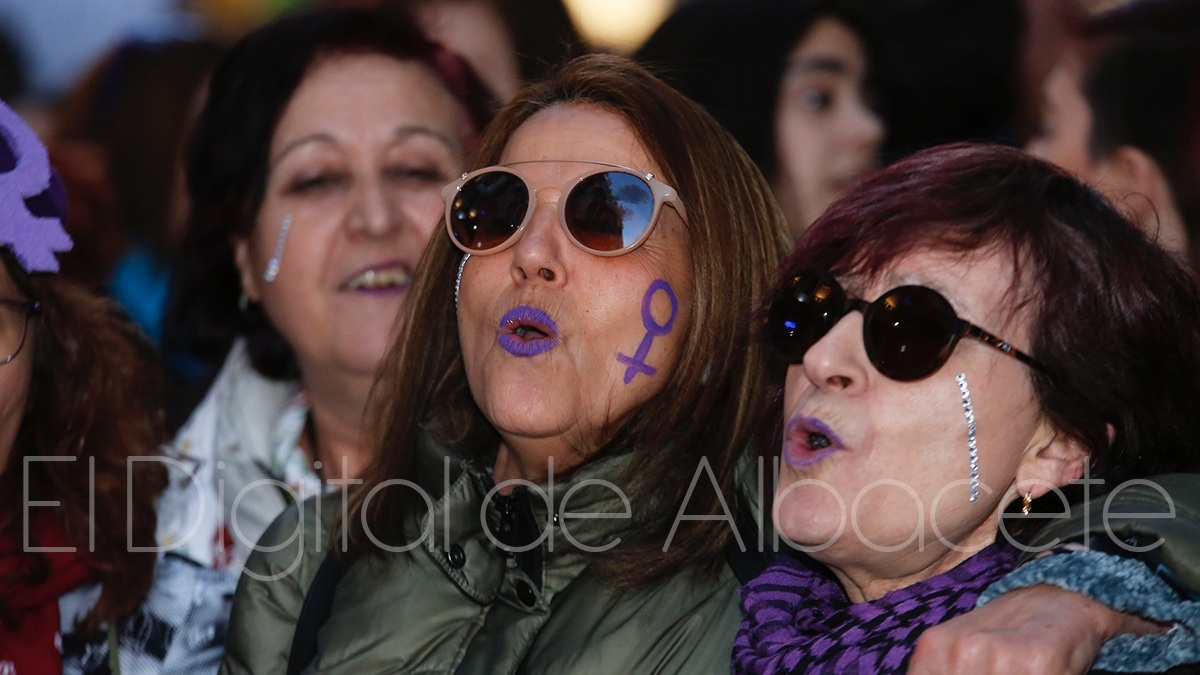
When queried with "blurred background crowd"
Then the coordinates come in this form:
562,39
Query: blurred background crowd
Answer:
817,92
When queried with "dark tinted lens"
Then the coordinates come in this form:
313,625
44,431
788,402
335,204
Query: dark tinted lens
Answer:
910,332
488,209
609,211
802,313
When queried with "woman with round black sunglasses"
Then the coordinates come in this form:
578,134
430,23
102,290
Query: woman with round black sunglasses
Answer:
903,444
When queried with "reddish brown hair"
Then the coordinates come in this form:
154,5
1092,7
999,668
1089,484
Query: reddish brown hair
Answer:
93,395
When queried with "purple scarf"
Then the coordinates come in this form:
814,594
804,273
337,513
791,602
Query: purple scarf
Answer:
800,621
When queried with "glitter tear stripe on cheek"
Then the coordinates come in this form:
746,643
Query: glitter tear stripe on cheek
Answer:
272,270
458,279
972,447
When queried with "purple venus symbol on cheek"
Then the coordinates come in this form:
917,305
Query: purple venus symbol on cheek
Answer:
637,362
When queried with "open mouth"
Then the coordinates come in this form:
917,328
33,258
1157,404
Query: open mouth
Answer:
807,441
818,440
527,331
380,279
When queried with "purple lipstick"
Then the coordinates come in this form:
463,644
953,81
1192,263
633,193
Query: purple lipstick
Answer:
527,331
808,440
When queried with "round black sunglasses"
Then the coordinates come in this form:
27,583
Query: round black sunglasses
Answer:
909,332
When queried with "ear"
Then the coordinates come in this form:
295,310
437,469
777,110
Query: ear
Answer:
246,272
1052,460
1137,182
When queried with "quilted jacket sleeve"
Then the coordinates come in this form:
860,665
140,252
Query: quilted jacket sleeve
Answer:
271,592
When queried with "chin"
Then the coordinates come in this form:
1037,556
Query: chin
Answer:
811,536
365,359
526,423
811,515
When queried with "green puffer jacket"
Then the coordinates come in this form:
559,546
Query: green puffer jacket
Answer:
458,604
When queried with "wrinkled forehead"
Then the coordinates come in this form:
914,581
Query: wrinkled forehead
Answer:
578,131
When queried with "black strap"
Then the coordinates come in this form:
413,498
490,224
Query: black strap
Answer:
318,603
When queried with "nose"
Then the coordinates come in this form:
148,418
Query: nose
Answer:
538,254
373,213
864,129
838,361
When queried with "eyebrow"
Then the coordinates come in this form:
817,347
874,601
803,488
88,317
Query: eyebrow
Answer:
819,64
401,134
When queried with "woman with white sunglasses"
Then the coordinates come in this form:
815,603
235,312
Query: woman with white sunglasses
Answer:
572,351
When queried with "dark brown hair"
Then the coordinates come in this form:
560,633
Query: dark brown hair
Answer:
711,399
93,396
1115,320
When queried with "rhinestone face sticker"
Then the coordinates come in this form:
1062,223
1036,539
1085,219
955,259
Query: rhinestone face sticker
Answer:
972,446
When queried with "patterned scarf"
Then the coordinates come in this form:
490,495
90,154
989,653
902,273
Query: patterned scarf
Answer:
799,620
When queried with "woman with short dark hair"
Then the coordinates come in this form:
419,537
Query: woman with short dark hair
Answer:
965,333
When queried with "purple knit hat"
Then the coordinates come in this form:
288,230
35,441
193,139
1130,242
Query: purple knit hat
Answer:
33,203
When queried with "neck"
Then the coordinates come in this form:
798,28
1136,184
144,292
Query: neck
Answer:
887,572
534,462
339,418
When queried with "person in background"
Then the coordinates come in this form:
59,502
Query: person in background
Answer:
820,91
793,82
313,176
82,589
128,116
529,38
1081,358
507,42
1122,110
118,144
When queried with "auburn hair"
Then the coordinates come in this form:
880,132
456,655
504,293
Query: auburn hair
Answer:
94,396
